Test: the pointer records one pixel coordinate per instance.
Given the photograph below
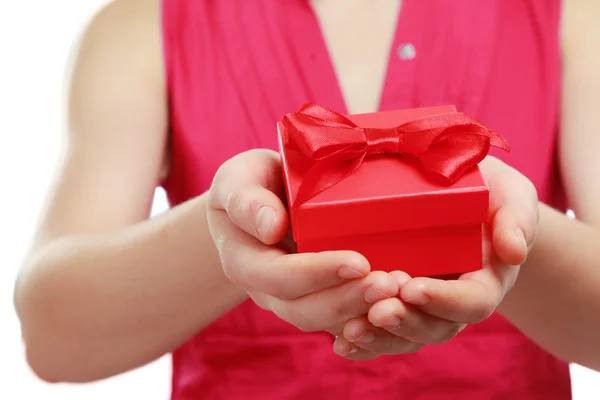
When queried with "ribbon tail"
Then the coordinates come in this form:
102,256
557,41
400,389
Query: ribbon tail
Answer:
325,174
450,158
499,142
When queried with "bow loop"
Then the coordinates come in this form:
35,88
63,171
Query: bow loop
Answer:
446,145
330,133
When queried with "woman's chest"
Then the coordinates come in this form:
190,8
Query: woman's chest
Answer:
497,61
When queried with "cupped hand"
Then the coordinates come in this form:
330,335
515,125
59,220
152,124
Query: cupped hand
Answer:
433,310
249,224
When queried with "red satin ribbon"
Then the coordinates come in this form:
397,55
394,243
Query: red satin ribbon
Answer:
446,145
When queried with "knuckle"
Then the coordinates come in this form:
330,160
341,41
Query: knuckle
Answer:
233,202
230,164
225,193
222,172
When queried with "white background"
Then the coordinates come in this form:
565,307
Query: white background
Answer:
35,41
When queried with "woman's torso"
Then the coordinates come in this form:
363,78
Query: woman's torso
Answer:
234,70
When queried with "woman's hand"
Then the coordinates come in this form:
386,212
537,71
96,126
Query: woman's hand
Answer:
248,221
432,311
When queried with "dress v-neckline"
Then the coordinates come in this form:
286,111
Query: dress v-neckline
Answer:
318,70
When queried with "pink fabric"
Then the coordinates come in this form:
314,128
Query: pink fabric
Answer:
235,68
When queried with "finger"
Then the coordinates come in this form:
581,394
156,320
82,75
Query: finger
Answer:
344,348
253,265
365,336
494,272
509,235
408,322
400,277
513,211
334,306
465,301
249,188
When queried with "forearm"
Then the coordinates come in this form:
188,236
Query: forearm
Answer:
556,300
95,306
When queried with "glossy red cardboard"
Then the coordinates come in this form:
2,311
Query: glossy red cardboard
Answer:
391,212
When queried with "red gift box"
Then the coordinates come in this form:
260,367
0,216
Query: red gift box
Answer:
400,187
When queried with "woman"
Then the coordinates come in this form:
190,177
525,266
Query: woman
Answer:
174,92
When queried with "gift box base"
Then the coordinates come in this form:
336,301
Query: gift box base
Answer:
418,252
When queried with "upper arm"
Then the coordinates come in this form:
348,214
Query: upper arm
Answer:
116,125
580,130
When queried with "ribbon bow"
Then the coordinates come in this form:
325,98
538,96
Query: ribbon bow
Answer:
446,145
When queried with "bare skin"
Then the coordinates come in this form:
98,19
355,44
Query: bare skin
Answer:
556,300
103,284
129,304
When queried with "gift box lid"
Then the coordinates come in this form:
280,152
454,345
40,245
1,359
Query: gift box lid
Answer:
386,193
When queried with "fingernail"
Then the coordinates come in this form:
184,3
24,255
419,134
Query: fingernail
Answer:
394,322
372,295
352,351
521,237
264,219
346,272
420,299
367,337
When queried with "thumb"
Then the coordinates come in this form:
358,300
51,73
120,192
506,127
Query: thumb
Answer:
513,212
249,188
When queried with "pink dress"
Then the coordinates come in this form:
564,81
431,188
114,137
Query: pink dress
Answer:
234,68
